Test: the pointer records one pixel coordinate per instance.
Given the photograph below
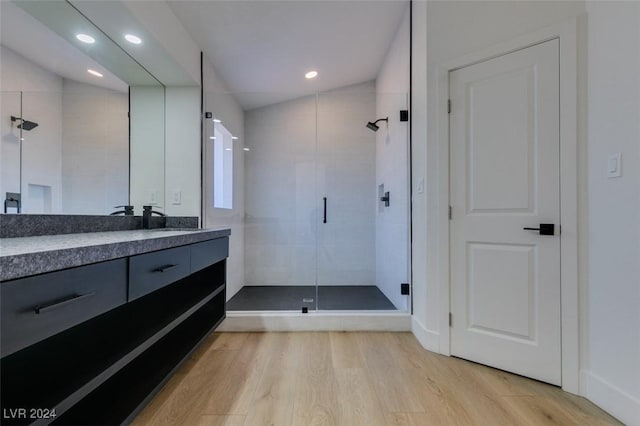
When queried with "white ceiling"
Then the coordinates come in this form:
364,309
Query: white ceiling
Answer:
30,38
261,49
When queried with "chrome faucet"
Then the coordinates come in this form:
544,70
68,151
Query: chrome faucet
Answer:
147,211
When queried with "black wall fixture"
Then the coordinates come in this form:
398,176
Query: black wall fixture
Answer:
24,124
404,115
374,125
386,199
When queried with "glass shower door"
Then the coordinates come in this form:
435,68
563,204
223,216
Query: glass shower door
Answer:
363,246
346,178
281,217
317,236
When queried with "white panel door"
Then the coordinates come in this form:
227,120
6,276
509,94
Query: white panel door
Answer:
504,142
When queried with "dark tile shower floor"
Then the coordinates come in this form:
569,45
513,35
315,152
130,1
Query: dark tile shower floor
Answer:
290,298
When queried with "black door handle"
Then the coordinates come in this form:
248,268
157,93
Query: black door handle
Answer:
545,229
324,219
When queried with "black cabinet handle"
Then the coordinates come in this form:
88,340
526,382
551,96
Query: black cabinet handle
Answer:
41,309
324,220
164,268
545,229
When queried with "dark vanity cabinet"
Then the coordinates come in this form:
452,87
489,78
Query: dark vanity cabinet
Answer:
92,344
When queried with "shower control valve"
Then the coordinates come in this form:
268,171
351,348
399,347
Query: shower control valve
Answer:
385,199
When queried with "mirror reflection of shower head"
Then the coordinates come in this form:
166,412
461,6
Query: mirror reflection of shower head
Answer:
24,124
373,125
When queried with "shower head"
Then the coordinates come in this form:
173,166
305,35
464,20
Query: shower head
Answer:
373,126
24,124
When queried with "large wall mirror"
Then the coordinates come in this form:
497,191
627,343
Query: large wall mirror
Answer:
81,122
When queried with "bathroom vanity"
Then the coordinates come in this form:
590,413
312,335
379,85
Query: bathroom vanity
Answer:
94,323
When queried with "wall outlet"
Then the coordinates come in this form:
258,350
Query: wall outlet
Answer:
176,197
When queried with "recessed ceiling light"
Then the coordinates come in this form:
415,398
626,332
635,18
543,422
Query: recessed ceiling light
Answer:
85,38
93,72
133,39
213,138
246,149
217,120
227,149
311,74
234,137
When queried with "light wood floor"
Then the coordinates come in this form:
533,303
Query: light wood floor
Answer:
343,378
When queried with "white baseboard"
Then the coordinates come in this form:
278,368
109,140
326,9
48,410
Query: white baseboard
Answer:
429,339
296,321
613,400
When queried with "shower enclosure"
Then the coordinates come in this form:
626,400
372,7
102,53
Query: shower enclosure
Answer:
318,235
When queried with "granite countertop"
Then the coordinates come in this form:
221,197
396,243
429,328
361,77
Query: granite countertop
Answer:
21,257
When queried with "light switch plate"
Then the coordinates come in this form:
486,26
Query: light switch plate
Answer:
176,197
614,165
420,186
153,197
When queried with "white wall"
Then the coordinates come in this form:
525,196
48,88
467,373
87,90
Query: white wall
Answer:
41,148
424,298
286,178
223,105
182,151
147,147
392,159
166,149
613,372
95,149
453,29
608,221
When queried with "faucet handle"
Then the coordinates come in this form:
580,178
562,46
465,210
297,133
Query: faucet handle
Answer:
128,210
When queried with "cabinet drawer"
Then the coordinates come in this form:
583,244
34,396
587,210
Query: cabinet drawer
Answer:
152,271
209,252
38,307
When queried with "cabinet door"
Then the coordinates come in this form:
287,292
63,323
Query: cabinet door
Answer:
209,252
38,307
151,271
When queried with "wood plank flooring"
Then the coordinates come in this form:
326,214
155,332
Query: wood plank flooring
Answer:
345,378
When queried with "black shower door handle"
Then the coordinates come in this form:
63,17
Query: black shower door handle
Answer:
324,220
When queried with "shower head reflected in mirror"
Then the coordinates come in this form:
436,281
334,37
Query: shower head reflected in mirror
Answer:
374,126
24,124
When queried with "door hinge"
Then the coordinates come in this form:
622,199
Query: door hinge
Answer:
449,106
450,319
450,213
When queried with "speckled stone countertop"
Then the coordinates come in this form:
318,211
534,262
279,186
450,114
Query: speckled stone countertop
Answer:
21,257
